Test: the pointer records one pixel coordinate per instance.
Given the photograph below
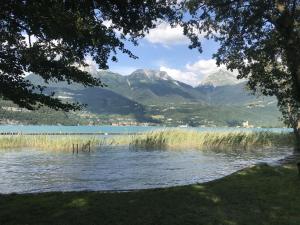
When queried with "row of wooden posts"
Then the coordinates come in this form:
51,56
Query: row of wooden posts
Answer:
85,148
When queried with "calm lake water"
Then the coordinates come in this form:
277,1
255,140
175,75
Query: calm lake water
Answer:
119,168
115,129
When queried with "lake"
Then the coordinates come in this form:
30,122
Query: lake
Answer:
114,129
119,168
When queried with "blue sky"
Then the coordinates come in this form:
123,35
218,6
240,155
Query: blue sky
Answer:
166,49
155,55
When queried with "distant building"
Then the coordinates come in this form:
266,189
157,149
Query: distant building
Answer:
247,125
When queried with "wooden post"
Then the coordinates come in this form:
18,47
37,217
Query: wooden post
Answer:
89,146
73,148
298,165
77,148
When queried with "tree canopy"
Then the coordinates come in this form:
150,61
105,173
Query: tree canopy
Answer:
52,39
260,39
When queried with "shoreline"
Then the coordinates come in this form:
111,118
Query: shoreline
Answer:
243,197
142,189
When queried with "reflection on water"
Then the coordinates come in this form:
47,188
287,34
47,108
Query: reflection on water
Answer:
119,168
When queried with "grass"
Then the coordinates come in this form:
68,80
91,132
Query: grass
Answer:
58,142
163,139
171,139
257,195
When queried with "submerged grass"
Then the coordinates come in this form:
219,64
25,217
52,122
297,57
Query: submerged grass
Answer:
162,139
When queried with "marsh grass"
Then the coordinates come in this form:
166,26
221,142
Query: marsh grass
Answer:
52,142
183,139
162,139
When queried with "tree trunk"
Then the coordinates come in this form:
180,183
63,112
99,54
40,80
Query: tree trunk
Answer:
297,75
297,137
291,46
297,128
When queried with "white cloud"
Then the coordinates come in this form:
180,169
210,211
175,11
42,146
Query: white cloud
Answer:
187,77
92,67
166,35
204,66
163,34
123,70
193,73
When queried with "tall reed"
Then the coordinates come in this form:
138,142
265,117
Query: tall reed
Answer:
183,139
162,139
48,142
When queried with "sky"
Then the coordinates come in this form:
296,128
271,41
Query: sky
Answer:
166,49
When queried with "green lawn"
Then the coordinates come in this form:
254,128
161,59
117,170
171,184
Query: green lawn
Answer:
257,195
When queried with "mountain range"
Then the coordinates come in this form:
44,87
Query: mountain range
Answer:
155,97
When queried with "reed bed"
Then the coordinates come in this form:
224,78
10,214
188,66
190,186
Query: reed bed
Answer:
60,142
187,139
162,139
51,142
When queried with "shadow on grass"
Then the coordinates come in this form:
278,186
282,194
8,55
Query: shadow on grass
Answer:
257,195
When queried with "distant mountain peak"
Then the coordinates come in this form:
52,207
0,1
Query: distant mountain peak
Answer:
151,74
220,78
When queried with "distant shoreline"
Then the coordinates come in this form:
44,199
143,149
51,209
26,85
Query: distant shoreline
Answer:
118,130
62,133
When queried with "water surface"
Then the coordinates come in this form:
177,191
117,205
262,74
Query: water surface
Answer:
115,129
119,168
